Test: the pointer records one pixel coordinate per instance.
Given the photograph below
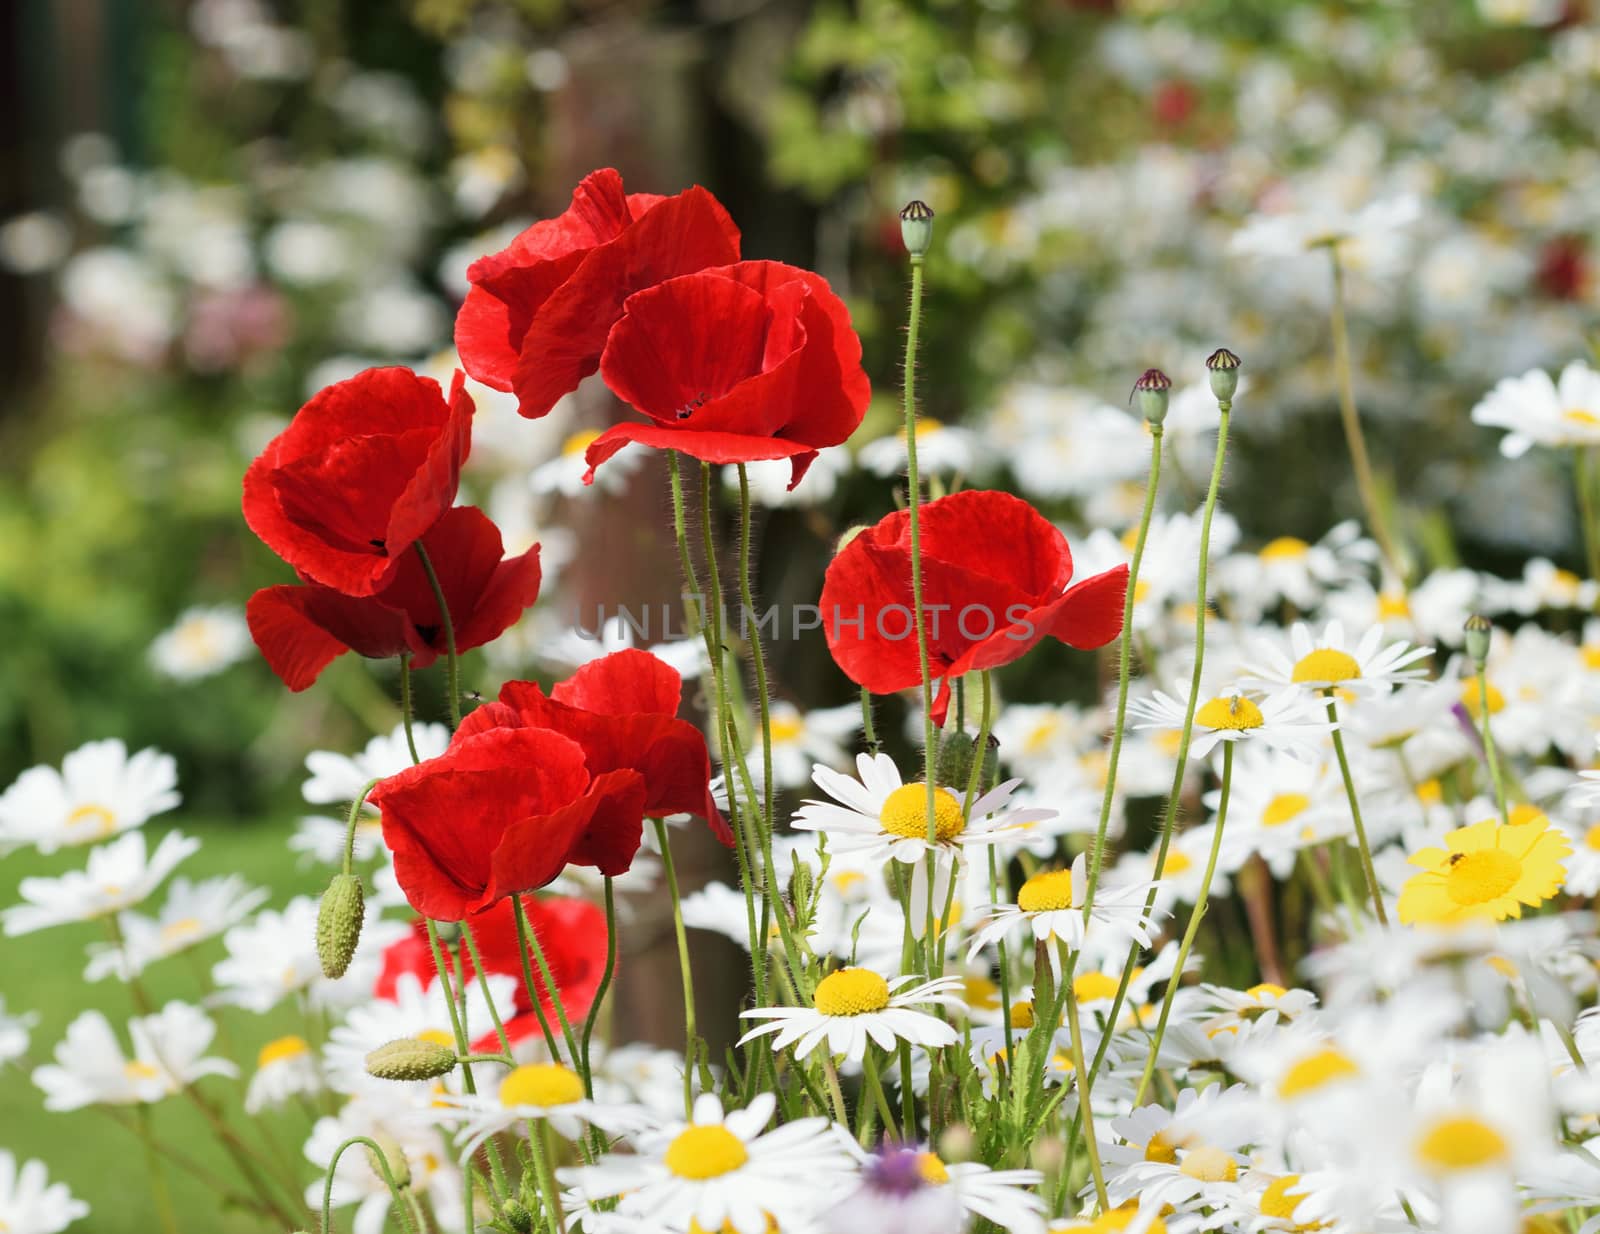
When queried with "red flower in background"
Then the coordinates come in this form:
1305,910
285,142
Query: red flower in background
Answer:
622,709
751,361
536,319
302,629
995,582
365,468
572,934
503,812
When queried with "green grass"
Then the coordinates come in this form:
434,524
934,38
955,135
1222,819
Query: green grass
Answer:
102,1162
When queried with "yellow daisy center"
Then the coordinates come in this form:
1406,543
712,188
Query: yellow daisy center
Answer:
1579,416
197,638
134,1069
1591,655
727,1227
437,1036
1022,1014
541,1084
1232,714
846,881
282,1049
1326,664
1316,1070
1591,838
1276,1201
579,442
184,927
1121,1218
932,1169
1284,548
1161,1149
1461,1143
905,813
705,1152
1430,792
980,992
1266,990
1041,735
1047,892
1393,606
1284,807
851,991
1481,876
1526,812
1474,704
1209,1165
97,819
787,728
1177,863
1091,987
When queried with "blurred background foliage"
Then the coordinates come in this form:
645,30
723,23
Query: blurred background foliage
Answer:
217,206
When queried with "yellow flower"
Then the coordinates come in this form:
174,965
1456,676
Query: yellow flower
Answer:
1488,873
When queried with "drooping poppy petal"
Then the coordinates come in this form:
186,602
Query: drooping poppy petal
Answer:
361,473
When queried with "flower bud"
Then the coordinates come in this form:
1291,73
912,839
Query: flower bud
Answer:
957,751
339,924
517,1216
957,1143
1152,388
850,533
411,1058
394,1155
1046,1154
1223,366
802,880
916,228
1478,629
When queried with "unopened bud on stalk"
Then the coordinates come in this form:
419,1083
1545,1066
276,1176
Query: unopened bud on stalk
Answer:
1478,630
1152,390
399,1167
957,1143
916,228
801,881
850,534
339,920
957,751
1047,1155
1223,366
411,1058
517,1216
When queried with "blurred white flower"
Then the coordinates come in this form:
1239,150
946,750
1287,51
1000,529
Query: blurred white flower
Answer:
98,792
203,641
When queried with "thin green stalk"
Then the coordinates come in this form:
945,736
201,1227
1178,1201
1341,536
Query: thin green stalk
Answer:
1488,747
524,953
1124,661
1084,1096
483,986
1366,486
452,663
1583,465
530,941
160,1190
1194,925
352,820
874,1085
1169,818
381,1163
1355,814
869,731
544,1165
463,1048
405,706
757,657
604,986
689,1033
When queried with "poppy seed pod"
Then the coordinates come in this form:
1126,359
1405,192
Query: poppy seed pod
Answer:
1152,389
339,919
957,753
1223,367
410,1058
916,228
1478,629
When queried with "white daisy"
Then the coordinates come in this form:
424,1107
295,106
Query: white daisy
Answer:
1587,792
855,1005
902,1188
1288,720
323,839
409,1144
337,778
1290,233
286,1067
1534,410
803,739
570,647
1004,1197
941,448
548,1091
769,479
275,955
14,1032
30,1203
721,1171
203,641
118,876
192,913
1330,660
1049,907
168,1055
98,792
564,473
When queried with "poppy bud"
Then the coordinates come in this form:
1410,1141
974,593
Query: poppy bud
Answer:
517,1216
916,228
1478,629
1152,388
339,924
957,752
411,1058
1224,369
394,1156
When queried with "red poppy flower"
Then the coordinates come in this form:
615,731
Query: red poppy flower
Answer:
995,581
503,812
536,319
572,934
752,361
302,629
622,709
364,469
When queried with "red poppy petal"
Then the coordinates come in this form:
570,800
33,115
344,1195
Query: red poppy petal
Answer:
295,647
626,682
1089,614
998,536
709,447
616,827
431,489
511,591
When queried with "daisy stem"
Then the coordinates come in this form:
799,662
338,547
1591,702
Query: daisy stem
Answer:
869,1069
529,939
683,965
1193,929
418,1216
1366,486
463,1047
405,706
1583,463
1005,965
1124,658
1084,1085
1318,879
381,1163
543,1157
1489,754
352,820
1170,816
160,1191
605,985
1355,812
841,1114
908,1095
452,663
488,998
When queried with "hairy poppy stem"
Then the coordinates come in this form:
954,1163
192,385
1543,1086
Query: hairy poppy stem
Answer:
1355,813
689,1033
605,985
1124,659
1170,816
452,664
